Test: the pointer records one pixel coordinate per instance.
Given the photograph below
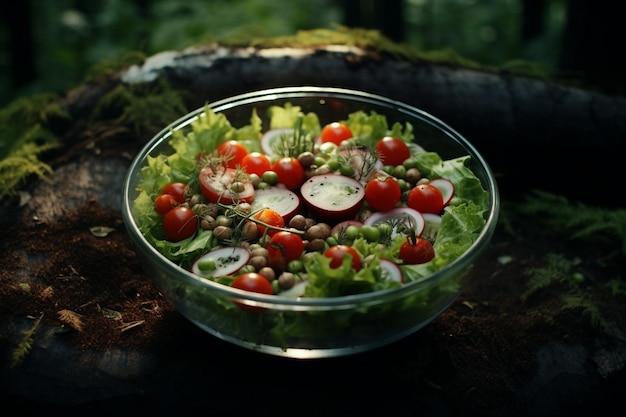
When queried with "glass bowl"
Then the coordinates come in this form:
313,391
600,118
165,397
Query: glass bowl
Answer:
312,327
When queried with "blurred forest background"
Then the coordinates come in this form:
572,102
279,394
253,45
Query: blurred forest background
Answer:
49,45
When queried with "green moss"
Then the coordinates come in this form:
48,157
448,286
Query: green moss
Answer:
24,139
146,107
373,40
107,67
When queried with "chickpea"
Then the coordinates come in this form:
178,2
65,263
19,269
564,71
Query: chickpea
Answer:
298,222
318,231
222,232
258,262
260,251
268,273
315,245
286,280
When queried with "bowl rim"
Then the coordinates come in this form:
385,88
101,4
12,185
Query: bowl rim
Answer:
270,301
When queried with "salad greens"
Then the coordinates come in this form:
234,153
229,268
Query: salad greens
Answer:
461,224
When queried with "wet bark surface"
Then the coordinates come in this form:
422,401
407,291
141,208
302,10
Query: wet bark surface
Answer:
492,353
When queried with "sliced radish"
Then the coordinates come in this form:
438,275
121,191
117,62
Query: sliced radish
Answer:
446,187
332,197
433,221
296,291
390,270
271,139
281,200
401,218
221,262
341,226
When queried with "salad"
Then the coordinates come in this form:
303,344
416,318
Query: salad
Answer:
308,209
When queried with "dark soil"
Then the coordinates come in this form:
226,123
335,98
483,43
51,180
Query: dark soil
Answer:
483,355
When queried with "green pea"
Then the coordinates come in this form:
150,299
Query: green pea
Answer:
346,170
333,164
295,266
410,163
352,232
370,233
207,265
319,161
399,171
270,177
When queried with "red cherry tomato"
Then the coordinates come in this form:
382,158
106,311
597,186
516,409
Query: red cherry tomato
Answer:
269,217
392,151
164,203
256,163
283,248
251,281
225,185
336,133
179,223
416,251
337,253
233,151
289,172
176,190
382,193
425,198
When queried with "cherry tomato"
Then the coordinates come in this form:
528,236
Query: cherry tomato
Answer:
251,281
283,248
256,163
392,151
176,190
179,223
382,193
225,185
337,253
164,203
425,198
336,133
416,250
233,151
269,217
289,171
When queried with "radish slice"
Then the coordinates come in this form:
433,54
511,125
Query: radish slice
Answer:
446,187
221,261
401,218
332,197
433,221
390,270
271,139
296,291
281,200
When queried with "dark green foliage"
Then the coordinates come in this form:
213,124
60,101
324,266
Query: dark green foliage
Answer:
603,227
146,107
24,138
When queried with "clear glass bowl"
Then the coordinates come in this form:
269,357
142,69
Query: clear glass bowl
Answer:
332,326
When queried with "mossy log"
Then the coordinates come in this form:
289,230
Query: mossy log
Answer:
535,133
